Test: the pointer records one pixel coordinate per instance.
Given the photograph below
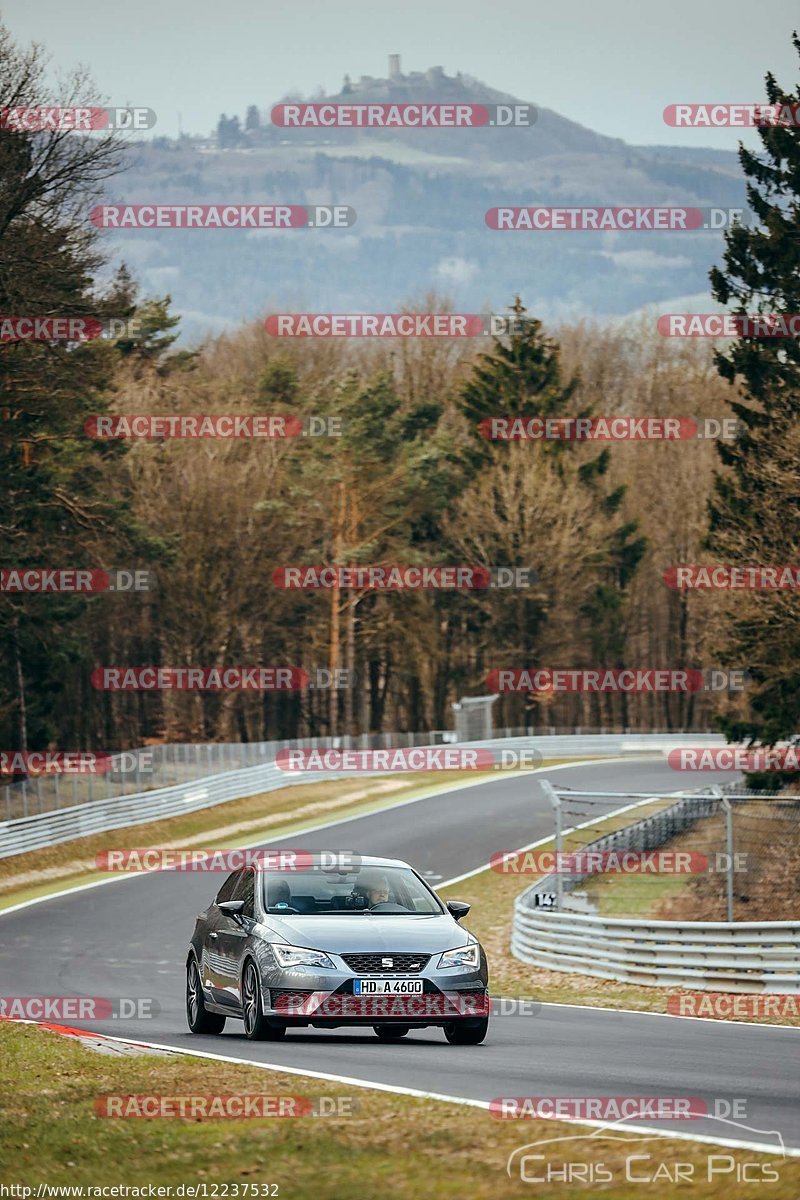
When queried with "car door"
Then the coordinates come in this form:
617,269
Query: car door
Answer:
212,966
232,938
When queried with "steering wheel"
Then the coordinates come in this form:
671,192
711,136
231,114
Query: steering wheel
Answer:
388,906
284,908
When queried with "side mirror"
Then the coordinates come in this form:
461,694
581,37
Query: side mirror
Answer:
232,908
458,909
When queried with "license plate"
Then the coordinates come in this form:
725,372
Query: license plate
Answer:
387,987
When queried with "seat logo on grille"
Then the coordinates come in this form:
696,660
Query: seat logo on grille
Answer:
387,962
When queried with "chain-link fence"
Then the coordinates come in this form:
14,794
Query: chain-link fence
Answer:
719,854
160,766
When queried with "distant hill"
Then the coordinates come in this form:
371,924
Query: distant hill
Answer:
420,197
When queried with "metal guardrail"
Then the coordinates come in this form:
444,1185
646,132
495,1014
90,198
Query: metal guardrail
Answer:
155,767
99,816
706,955
21,834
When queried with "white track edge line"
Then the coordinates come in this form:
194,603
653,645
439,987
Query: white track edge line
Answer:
419,1094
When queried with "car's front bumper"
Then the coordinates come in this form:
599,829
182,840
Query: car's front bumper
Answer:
328,998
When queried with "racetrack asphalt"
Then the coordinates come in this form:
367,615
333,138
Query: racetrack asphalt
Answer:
129,939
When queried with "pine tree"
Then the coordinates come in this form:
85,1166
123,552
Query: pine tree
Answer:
58,503
522,377
755,506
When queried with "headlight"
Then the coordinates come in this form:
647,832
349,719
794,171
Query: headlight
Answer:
297,956
462,956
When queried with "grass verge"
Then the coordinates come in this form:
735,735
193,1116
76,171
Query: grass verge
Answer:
766,881
392,1146
230,825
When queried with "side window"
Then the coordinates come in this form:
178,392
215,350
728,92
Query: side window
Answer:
226,891
246,890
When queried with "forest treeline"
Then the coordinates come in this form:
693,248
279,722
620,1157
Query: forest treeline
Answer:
410,480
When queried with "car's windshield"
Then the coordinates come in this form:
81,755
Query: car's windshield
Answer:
383,890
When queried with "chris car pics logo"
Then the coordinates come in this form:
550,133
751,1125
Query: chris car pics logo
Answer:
579,1159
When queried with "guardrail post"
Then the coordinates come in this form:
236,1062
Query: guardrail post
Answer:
555,800
727,808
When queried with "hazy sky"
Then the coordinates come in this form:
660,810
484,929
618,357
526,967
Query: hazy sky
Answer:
610,64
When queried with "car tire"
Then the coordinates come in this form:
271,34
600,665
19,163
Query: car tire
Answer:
391,1033
467,1033
257,1027
198,1018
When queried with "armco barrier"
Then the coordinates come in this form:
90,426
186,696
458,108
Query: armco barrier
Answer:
715,956
99,816
22,834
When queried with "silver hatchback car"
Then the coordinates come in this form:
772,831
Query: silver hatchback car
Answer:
371,945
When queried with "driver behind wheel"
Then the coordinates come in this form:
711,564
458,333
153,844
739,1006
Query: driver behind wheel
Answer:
375,889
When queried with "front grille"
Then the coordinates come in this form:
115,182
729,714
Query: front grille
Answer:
386,964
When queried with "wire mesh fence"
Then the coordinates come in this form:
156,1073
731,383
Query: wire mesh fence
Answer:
160,766
720,854
165,765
